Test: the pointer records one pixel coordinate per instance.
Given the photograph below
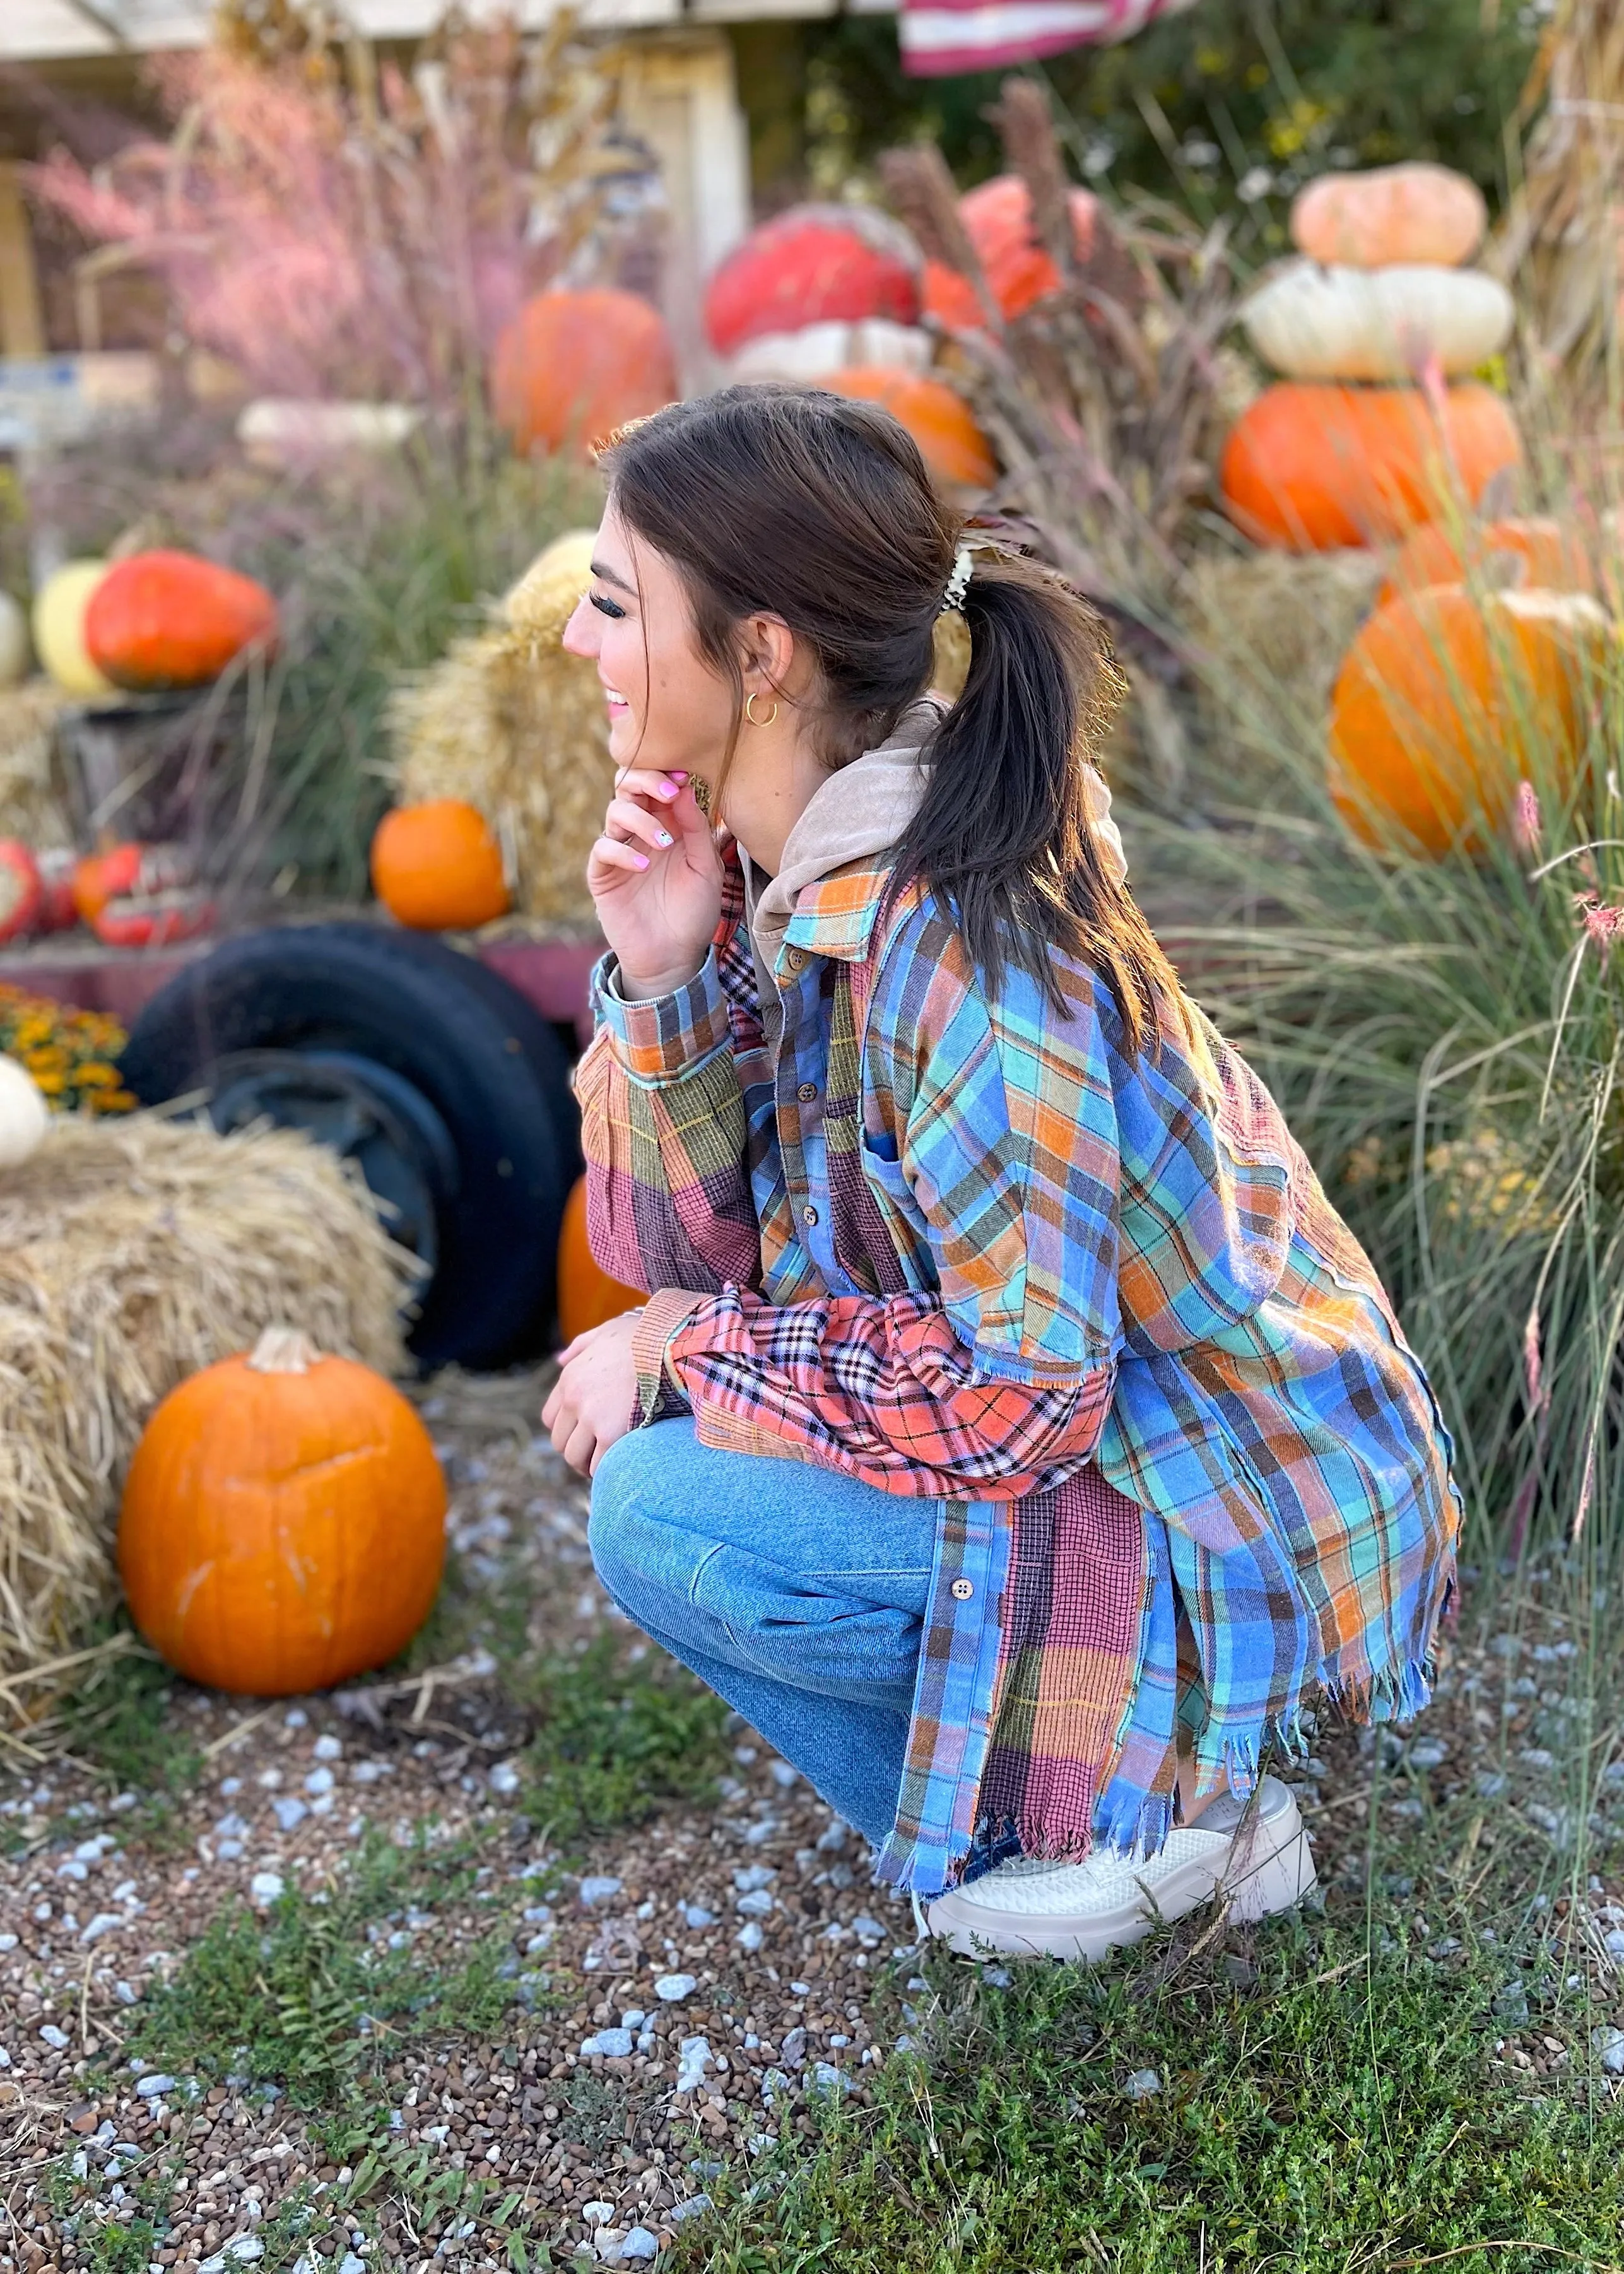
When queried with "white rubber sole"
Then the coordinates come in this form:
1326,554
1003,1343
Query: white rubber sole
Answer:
1265,1866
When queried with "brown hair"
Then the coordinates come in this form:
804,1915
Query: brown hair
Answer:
818,510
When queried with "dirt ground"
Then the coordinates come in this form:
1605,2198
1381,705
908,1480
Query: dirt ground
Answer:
675,1995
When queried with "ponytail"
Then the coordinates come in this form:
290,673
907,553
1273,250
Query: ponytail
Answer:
1002,835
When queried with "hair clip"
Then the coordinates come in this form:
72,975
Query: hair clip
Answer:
958,582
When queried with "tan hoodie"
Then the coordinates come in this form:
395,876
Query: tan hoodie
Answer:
864,810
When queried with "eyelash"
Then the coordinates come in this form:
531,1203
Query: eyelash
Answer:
609,607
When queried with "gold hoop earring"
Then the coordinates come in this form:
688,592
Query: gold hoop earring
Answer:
749,712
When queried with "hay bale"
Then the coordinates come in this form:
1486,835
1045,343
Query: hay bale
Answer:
518,728
32,805
1276,624
131,1253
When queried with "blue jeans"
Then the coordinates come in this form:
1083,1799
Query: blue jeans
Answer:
794,1593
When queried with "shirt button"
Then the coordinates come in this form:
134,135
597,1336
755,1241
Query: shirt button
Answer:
807,1092
962,1590
808,1215
794,959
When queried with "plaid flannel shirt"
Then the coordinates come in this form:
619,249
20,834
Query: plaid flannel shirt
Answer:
956,1243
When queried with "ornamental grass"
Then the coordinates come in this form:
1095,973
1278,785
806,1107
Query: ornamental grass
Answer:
133,1252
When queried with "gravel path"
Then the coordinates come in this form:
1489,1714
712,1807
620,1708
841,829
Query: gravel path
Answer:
680,1997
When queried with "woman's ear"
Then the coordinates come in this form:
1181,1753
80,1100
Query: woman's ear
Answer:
771,652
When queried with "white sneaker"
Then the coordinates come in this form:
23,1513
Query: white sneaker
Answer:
1257,1856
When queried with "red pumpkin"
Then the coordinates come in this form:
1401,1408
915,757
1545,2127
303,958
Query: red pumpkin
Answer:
20,889
130,872
168,620
587,1296
1312,466
1018,268
58,911
160,919
812,264
571,366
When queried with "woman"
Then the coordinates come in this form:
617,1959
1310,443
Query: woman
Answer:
1015,1437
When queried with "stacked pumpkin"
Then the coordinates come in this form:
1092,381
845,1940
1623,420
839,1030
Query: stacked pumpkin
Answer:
160,621
1375,425
831,296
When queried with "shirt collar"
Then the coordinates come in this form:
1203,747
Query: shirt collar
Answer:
836,915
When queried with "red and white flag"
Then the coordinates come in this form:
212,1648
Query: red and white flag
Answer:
939,36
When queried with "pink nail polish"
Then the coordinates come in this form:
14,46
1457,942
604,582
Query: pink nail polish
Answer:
641,859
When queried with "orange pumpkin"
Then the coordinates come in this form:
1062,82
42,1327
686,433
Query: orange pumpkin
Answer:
1393,215
1541,555
1447,699
571,366
437,867
587,1296
165,619
940,420
1312,467
283,1523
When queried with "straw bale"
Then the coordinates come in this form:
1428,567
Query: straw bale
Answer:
512,724
132,1252
31,801
1275,621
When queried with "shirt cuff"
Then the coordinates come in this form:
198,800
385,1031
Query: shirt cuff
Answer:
664,1039
659,1392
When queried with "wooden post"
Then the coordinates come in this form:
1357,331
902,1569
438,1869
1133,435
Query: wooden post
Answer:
22,318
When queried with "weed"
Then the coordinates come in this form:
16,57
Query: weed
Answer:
1311,2105
116,2230
313,1996
119,1719
619,1737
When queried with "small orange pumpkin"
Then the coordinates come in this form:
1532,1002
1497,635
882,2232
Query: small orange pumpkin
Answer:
1312,466
571,366
956,451
587,1296
168,620
437,867
1447,698
1543,556
1413,212
283,1523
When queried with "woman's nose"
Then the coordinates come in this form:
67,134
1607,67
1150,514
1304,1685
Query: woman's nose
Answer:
579,632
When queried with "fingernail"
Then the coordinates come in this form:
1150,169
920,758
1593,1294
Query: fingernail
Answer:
662,836
641,859
669,789
679,778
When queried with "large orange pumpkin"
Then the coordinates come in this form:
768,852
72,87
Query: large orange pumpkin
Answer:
1448,698
283,1523
1312,466
571,366
437,867
940,420
164,620
1542,554
587,1296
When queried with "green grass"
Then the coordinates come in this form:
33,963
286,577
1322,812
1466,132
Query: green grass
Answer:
121,1720
618,1738
309,1996
1322,2107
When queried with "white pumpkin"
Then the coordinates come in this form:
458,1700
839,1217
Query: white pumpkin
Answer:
13,641
25,1117
1314,323
800,358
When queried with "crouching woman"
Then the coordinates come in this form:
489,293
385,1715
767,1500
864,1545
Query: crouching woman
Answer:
1013,1434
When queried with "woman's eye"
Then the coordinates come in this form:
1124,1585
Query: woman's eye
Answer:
609,607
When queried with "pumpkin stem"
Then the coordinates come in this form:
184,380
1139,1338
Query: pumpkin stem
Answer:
283,1350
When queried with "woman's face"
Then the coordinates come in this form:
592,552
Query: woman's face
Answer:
669,708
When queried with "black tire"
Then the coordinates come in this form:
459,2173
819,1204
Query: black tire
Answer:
482,1058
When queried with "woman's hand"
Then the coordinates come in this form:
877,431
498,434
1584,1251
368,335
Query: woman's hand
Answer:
596,1394
656,880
